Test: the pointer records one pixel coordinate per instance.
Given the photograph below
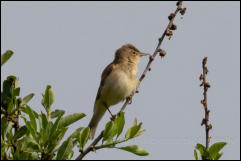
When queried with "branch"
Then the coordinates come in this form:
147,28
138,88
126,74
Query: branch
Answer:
167,32
205,85
91,147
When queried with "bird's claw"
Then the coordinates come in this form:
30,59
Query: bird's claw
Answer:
129,99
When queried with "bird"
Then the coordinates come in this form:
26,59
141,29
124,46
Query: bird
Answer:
118,82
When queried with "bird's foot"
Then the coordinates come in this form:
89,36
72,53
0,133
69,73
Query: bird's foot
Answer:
112,118
129,99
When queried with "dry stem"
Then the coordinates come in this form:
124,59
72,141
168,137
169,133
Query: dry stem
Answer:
205,85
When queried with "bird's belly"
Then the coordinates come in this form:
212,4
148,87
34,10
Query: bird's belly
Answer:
117,88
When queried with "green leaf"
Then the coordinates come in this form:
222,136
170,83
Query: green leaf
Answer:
8,98
35,114
55,139
195,155
140,132
30,129
67,120
76,133
120,122
218,156
65,150
215,148
201,148
11,106
26,99
83,137
44,121
16,92
21,132
48,98
9,85
108,131
133,131
55,127
56,113
32,117
135,149
6,56
29,144
70,155
48,129
8,129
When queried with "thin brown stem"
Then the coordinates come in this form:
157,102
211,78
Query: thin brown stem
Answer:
205,85
152,57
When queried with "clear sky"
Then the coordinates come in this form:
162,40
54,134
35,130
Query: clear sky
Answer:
68,44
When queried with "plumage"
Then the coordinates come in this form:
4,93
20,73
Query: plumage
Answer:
118,81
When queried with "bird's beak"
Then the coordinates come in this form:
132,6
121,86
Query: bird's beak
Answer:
144,54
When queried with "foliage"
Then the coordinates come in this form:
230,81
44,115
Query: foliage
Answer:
213,153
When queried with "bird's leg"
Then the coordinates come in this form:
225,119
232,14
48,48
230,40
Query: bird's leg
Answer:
112,116
129,98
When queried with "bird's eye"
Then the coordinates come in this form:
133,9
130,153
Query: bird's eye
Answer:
134,52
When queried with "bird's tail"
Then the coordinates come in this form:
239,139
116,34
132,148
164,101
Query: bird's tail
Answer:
99,111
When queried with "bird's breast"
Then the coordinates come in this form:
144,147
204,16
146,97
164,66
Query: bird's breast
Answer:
118,85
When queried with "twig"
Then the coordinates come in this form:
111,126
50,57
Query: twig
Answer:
205,85
152,57
90,147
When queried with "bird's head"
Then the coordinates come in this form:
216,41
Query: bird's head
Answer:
129,53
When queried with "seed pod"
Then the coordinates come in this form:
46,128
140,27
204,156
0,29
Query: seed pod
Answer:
178,2
204,104
171,16
158,50
183,11
168,33
151,58
207,84
201,77
162,53
210,127
205,60
173,27
203,122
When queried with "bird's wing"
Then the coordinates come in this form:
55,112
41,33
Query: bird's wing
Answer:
104,75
